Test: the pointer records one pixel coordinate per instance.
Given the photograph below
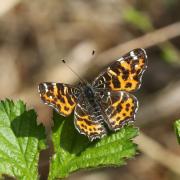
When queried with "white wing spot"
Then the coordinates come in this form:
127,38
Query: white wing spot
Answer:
45,87
144,52
133,55
39,90
135,58
120,59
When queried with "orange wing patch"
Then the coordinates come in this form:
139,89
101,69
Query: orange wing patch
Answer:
120,109
60,96
85,124
124,74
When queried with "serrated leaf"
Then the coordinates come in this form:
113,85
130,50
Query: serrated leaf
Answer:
177,129
74,151
20,141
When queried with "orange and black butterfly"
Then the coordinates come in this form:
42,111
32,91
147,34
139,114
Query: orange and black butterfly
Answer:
107,102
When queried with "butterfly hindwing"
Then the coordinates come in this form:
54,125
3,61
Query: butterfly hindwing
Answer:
85,124
61,97
125,73
119,107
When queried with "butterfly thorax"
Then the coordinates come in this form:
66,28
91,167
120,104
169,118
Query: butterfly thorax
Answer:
93,105
89,93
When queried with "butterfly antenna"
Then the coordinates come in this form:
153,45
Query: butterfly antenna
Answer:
93,52
74,71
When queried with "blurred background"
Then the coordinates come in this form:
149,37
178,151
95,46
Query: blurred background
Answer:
35,35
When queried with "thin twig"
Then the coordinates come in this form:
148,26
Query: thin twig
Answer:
5,6
158,153
153,38
161,106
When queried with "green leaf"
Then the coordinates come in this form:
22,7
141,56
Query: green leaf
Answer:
177,129
138,19
74,151
169,53
20,141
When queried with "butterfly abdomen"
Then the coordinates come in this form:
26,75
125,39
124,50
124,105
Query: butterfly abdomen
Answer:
94,107
97,113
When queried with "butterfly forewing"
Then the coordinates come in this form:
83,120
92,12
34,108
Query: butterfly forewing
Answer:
125,73
119,107
61,97
86,125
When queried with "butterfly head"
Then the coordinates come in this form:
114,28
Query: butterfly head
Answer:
87,89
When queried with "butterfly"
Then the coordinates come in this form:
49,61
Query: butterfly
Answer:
106,103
